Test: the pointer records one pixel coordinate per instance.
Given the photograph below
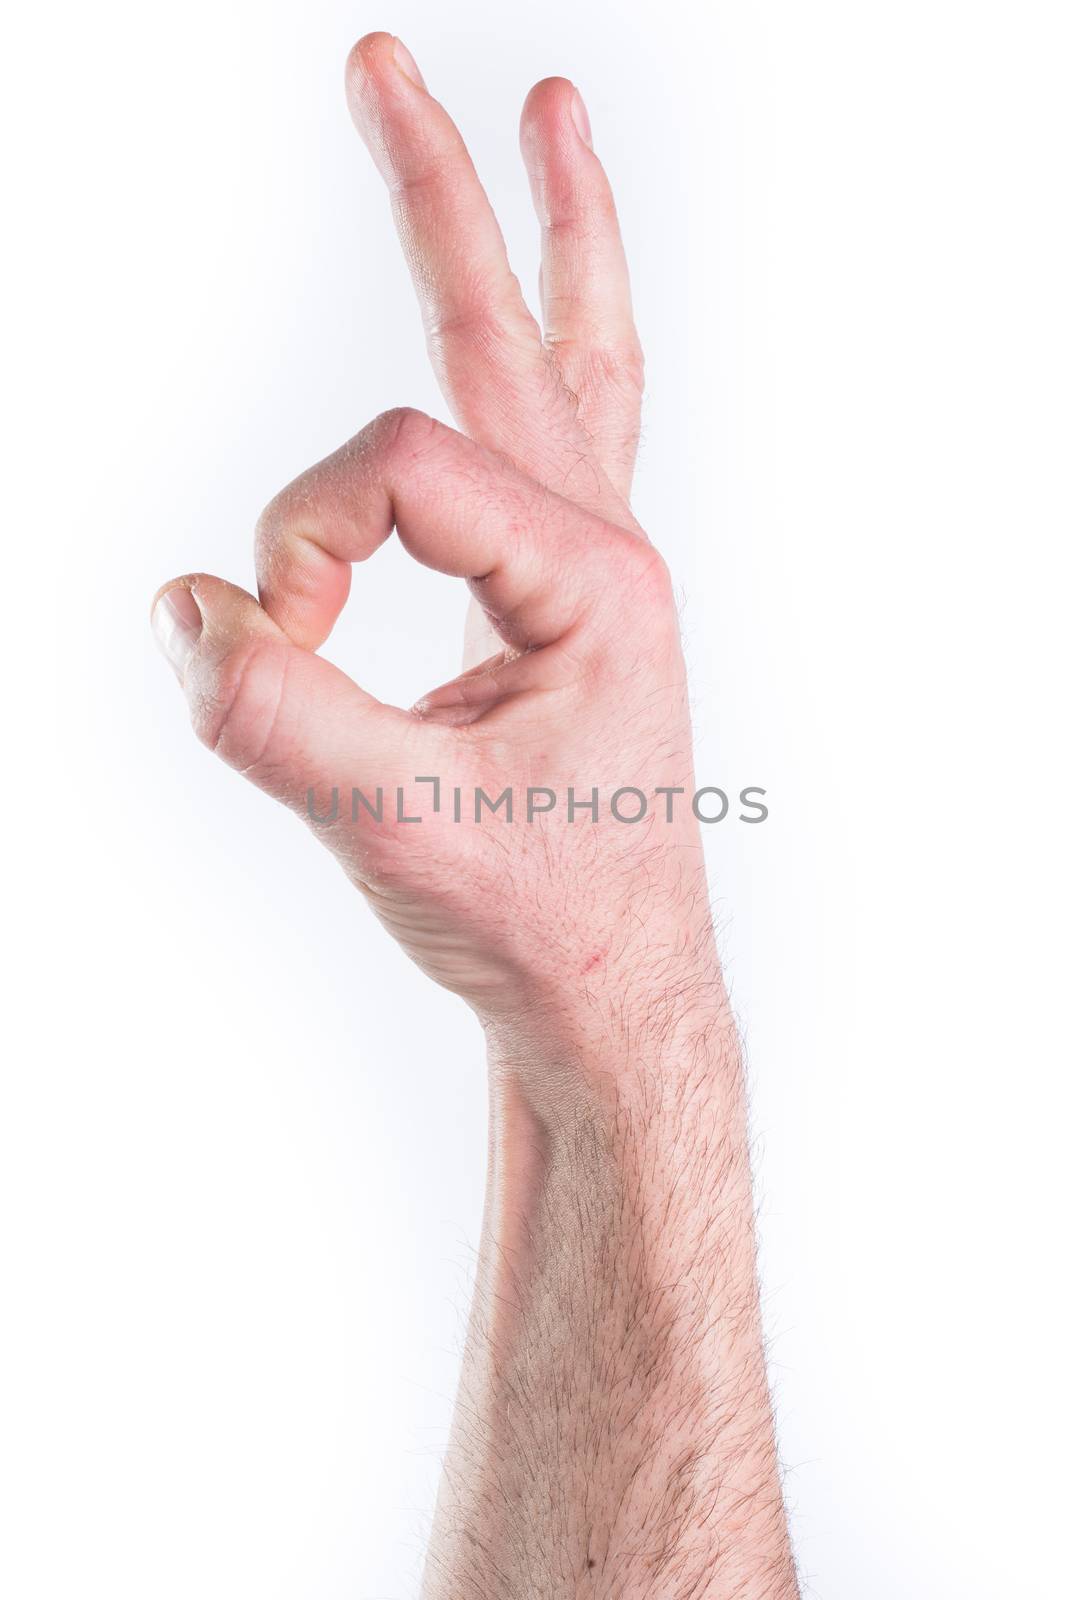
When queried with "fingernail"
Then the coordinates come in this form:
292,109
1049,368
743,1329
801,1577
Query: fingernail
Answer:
176,622
580,117
406,62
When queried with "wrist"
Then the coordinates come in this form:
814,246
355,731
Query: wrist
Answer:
599,1044
635,1099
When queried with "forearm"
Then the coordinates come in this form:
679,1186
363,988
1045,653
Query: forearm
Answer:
613,1434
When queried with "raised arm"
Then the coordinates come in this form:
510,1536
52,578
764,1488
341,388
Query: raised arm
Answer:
613,1436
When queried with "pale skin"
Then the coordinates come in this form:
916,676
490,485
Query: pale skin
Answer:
613,1436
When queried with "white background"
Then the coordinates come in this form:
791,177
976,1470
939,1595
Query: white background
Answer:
241,1150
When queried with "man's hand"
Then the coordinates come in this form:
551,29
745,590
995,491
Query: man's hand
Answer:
590,682
613,1437
584,685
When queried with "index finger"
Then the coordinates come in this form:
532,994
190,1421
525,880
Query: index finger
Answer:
537,564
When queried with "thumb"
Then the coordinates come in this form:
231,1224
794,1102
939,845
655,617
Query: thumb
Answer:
285,718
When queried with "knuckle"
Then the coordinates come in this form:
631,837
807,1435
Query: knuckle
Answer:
274,516
621,366
431,180
406,441
650,587
272,525
292,515
600,371
238,715
656,580
403,429
479,314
